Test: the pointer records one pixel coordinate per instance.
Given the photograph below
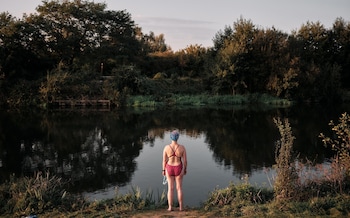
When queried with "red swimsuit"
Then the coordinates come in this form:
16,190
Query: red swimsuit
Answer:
174,170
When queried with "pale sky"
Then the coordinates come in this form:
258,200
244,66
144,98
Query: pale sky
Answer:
190,22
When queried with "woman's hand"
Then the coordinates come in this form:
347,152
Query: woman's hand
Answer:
184,171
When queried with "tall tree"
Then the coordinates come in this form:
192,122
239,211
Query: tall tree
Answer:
16,60
191,60
316,65
340,37
232,53
153,43
276,68
82,30
7,44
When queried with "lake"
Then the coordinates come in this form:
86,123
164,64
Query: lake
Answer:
105,151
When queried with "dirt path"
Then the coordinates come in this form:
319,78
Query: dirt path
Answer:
189,213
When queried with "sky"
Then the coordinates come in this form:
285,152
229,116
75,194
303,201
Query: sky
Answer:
195,22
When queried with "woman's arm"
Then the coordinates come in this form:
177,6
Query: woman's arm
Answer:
184,161
165,159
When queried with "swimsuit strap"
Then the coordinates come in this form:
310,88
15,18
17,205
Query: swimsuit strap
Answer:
174,154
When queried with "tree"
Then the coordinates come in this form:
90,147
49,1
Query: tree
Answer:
153,43
191,60
75,32
276,68
316,64
232,54
16,60
340,38
7,44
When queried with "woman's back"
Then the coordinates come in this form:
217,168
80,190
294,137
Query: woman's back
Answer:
174,153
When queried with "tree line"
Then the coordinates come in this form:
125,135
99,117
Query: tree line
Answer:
78,49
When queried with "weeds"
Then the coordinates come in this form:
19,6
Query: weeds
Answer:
236,200
36,195
287,178
43,194
136,200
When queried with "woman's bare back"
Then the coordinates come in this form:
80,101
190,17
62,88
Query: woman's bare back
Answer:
174,153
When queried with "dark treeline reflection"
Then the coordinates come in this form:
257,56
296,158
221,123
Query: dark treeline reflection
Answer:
95,149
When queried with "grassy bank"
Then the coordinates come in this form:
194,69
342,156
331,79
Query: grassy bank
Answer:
237,200
205,100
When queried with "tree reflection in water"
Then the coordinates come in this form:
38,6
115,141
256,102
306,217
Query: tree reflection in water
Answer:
97,163
96,149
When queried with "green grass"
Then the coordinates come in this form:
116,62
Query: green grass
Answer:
205,100
143,101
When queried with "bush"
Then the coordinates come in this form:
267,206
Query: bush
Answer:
341,145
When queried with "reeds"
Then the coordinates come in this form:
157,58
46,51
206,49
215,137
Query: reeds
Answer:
36,194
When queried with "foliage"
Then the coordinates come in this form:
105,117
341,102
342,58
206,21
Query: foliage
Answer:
153,43
22,93
191,61
50,89
38,194
341,145
310,64
232,59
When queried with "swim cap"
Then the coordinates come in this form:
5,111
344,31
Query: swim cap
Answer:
174,135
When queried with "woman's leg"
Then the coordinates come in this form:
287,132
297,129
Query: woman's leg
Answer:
171,181
179,191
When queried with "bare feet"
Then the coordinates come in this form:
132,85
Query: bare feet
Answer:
169,209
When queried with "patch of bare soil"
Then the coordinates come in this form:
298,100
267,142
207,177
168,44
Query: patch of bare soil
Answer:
163,213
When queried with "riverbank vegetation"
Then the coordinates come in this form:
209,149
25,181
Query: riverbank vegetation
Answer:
78,50
297,189
205,100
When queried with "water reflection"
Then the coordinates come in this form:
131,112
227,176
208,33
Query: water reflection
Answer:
99,149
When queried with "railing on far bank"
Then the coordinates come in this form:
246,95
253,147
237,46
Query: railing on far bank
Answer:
82,103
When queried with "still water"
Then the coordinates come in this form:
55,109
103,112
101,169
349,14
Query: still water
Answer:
105,151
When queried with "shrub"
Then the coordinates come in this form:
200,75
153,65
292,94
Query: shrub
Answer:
287,177
341,145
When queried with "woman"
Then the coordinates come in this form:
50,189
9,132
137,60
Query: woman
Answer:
174,167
